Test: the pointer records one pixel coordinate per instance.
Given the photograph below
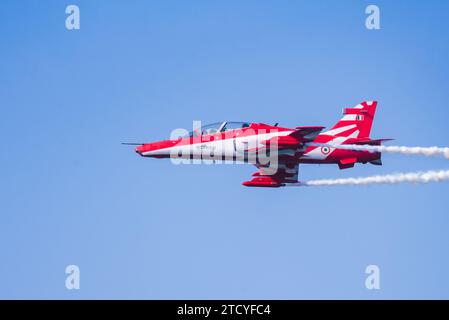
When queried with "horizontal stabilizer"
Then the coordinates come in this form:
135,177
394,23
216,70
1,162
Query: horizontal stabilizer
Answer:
377,162
374,142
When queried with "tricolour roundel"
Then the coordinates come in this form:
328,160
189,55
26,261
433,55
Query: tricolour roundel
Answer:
325,150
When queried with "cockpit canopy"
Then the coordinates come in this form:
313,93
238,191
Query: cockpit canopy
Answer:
218,127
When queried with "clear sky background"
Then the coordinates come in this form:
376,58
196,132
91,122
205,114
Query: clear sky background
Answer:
145,228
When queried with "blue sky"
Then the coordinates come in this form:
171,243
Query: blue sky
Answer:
144,228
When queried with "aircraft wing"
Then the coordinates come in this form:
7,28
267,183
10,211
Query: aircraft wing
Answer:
306,134
289,149
294,140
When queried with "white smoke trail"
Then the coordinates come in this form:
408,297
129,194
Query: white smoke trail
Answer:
411,177
425,151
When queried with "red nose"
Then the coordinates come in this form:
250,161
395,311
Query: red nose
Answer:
147,147
139,150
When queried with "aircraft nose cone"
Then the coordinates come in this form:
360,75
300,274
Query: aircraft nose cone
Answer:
154,149
139,150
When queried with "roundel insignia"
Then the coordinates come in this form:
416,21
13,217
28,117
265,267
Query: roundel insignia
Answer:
325,150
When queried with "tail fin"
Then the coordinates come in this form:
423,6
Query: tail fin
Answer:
356,122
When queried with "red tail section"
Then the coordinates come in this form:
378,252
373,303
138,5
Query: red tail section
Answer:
358,120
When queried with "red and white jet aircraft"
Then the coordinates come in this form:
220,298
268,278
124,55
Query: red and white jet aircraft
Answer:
284,148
